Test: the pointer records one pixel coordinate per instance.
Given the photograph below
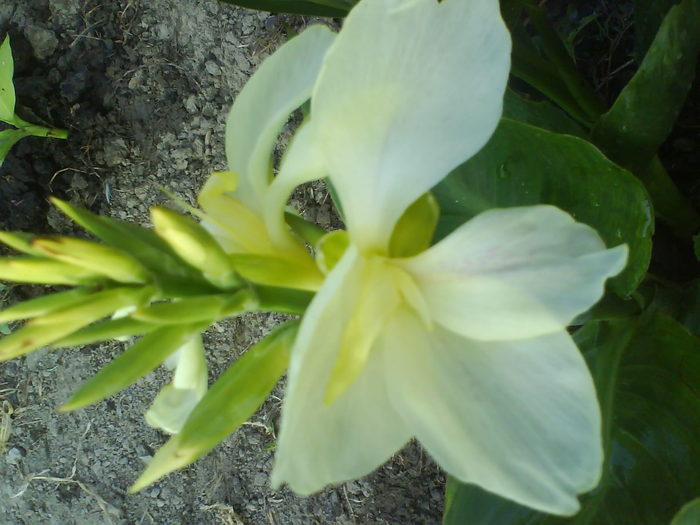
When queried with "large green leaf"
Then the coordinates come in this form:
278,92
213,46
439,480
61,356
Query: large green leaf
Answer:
644,113
334,8
524,165
7,89
541,114
647,374
689,514
648,15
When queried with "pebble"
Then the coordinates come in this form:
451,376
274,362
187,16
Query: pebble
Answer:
15,454
43,41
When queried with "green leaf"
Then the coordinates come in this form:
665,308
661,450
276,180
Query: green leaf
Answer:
415,228
647,374
44,271
234,397
110,262
195,245
334,8
205,308
523,165
689,514
7,89
142,244
121,328
20,241
648,15
8,138
139,359
44,330
43,305
541,114
644,113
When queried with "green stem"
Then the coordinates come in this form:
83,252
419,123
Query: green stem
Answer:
554,48
669,203
305,229
543,76
41,131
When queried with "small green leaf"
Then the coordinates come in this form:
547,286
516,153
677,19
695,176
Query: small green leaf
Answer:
42,331
7,89
139,359
43,305
689,514
195,245
330,249
415,228
207,308
110,262
8,138
283,300
20,241
271,270
523,165
234,397
121,328
45,271
644,113
142,244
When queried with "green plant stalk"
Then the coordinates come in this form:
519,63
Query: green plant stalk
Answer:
38,131
554,48
540,74
669,203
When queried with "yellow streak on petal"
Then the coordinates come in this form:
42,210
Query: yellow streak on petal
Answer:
413,296
375,301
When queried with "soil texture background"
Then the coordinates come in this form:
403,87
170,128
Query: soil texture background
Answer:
144,88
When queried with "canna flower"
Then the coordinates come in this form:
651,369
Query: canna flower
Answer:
462,345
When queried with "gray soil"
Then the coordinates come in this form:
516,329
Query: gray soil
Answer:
144,88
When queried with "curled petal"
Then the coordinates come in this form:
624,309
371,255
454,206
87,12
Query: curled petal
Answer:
514,273
409,90
519,418
280,85
321,443
173,405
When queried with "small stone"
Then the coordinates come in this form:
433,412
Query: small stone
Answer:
43,41
191,104
260,479
15,454
212,68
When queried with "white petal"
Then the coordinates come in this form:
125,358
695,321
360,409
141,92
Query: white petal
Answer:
174,403
280,85
514,273
318,444
518,418
300,163
409,90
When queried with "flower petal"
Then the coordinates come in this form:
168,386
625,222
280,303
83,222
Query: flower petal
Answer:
518,418
321,444
409,90
514,273
174,403
280,85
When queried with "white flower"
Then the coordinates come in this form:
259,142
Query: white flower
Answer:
464,345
